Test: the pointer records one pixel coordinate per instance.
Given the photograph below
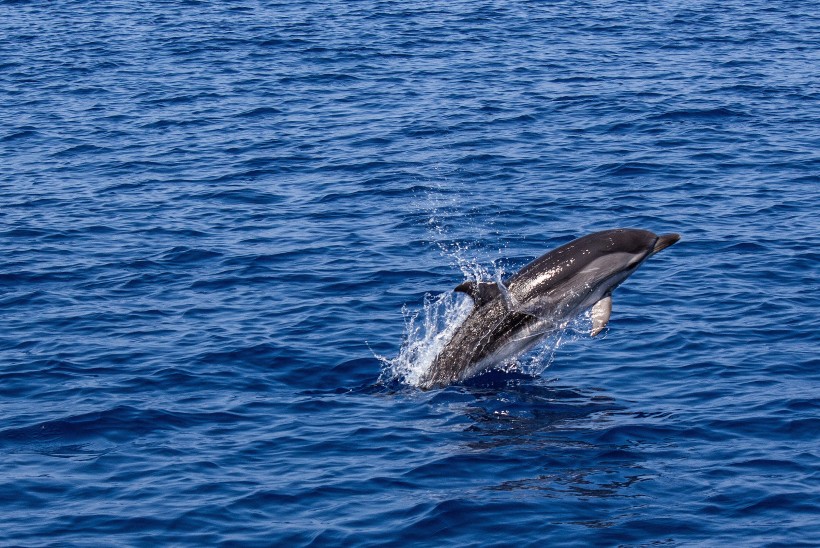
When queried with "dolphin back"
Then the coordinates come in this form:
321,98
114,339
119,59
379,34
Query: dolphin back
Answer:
567,260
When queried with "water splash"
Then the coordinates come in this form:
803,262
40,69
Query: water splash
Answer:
462,236
426,331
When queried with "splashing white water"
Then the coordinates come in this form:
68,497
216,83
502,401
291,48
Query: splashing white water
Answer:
426,331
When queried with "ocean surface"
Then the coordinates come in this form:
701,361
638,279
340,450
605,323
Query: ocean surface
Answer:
229,234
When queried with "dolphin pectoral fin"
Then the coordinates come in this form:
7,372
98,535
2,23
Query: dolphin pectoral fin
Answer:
600,314
481,292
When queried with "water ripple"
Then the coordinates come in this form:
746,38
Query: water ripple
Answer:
213,216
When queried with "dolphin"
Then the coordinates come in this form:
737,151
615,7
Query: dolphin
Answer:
508,318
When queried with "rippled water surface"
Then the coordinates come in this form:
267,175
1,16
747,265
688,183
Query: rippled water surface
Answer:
216,217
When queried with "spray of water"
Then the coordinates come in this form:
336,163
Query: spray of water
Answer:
426,331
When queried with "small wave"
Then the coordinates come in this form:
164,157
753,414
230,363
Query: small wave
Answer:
20,133
185,255
259,112
696,114
630,168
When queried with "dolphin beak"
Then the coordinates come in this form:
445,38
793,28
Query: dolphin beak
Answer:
664,241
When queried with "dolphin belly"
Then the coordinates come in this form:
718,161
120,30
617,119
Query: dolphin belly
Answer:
514,343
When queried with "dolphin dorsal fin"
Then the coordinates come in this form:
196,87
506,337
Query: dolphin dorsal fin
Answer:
600,314
481,292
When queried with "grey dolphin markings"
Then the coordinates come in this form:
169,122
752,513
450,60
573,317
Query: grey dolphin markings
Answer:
509,318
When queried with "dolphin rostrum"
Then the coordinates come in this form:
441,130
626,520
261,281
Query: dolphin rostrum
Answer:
511,317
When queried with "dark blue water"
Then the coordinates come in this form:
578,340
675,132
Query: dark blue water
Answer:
213,213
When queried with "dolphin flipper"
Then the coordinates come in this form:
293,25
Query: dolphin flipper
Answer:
600,314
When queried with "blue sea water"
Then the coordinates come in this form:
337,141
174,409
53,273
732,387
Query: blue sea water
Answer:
222,225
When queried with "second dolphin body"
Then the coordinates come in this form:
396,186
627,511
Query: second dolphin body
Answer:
510,318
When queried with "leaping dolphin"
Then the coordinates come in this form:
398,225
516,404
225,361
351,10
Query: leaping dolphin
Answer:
510,318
